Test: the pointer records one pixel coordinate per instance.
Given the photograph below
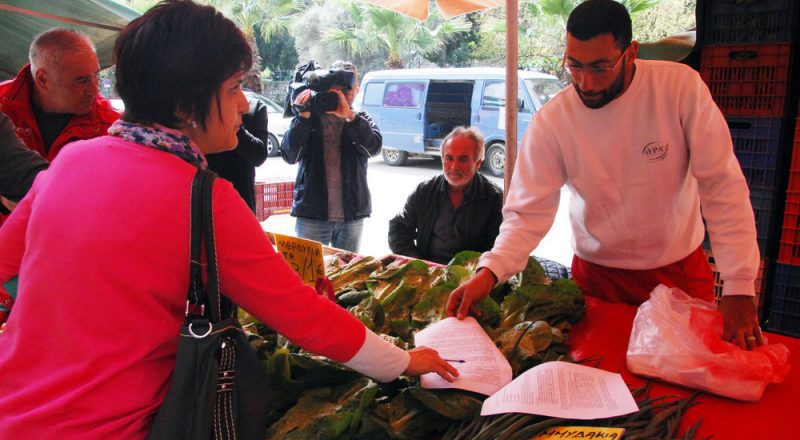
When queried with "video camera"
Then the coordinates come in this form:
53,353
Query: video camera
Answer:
319,81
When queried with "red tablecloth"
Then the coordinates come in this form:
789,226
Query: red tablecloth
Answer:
604,333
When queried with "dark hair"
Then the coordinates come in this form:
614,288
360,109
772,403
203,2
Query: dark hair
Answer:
174,58
596,17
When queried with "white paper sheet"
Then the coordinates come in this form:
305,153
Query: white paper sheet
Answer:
564,389
483,370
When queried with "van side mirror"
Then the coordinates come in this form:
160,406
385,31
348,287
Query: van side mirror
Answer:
520,104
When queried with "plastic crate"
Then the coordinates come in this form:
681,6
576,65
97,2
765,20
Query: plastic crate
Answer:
790,234
748,80
756,143
796,147
273,197
763,203
760,21
784,309
759,283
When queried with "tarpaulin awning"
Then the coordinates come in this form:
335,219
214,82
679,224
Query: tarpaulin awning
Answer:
21,20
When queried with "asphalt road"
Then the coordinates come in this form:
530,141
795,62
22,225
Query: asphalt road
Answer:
390,186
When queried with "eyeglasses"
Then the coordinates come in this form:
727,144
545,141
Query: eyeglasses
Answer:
595,70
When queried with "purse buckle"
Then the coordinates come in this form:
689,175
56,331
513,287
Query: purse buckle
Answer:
195,309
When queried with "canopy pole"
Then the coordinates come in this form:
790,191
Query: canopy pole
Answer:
512,45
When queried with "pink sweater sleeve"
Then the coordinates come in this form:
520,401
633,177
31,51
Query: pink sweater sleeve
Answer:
258,279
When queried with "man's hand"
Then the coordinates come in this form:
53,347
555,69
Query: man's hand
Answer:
343,110
473,291
741,321
301,101
427,360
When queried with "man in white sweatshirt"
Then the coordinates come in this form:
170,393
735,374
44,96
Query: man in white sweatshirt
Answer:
642,147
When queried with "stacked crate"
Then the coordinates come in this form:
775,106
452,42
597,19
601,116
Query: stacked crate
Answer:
784,313
746,62
273,197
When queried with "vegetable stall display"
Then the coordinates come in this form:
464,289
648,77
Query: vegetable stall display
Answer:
529,318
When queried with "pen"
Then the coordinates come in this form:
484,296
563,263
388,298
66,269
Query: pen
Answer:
460,361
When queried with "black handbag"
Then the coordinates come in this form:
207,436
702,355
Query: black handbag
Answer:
219,386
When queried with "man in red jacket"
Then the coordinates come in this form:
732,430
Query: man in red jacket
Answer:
54,100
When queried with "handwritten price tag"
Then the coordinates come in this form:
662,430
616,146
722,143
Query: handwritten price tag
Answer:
584,432
305,256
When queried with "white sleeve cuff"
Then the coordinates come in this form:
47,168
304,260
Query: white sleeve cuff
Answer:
738,287
379,359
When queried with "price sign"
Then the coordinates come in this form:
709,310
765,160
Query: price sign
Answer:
584,432
305,256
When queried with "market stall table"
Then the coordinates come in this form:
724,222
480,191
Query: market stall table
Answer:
603,335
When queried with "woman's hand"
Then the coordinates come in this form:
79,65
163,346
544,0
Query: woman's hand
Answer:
427,360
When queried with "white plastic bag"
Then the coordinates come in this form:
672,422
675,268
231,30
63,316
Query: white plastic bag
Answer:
678,339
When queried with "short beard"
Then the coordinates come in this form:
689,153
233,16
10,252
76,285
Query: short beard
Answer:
609,94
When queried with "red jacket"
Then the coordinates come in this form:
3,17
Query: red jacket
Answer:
15,101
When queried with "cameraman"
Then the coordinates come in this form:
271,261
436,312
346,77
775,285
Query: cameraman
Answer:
331,197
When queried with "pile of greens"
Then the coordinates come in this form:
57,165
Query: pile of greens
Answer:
529,319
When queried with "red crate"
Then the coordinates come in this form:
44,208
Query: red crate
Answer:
748,80
790,235
759,283
273,197
796,148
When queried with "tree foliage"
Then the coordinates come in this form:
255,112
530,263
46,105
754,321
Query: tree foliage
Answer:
376,30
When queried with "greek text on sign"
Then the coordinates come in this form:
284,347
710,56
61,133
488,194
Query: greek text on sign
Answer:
304,256
584,432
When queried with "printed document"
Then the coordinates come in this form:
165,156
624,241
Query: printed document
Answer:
481,366
566,390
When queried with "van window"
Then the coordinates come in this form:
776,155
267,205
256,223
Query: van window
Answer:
373,94
543,88
403,94
494,94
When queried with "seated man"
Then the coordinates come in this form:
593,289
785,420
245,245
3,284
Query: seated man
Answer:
456,211
54,100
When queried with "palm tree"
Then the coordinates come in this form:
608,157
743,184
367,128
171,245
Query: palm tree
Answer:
562,8
377,30
268,17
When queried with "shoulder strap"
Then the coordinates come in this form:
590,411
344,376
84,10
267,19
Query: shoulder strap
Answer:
205,300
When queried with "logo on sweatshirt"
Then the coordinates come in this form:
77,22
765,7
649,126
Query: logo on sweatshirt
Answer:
655,151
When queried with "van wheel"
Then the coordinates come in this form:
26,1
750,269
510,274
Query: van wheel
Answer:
495,160
272,145
394,158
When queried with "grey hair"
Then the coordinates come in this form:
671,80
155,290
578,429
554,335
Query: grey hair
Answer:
47,47
469,132
344,65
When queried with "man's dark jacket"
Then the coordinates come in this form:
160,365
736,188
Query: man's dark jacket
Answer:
239,165
302,143
19,165
478,218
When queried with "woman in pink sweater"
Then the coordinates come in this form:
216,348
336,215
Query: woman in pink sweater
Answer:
101,246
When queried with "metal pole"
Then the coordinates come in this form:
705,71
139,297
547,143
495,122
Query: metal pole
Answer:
512,45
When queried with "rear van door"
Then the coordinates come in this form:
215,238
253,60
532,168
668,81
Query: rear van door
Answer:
402,118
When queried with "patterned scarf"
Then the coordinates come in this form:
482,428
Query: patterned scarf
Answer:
161,138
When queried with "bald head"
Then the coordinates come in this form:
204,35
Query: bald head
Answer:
64,67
